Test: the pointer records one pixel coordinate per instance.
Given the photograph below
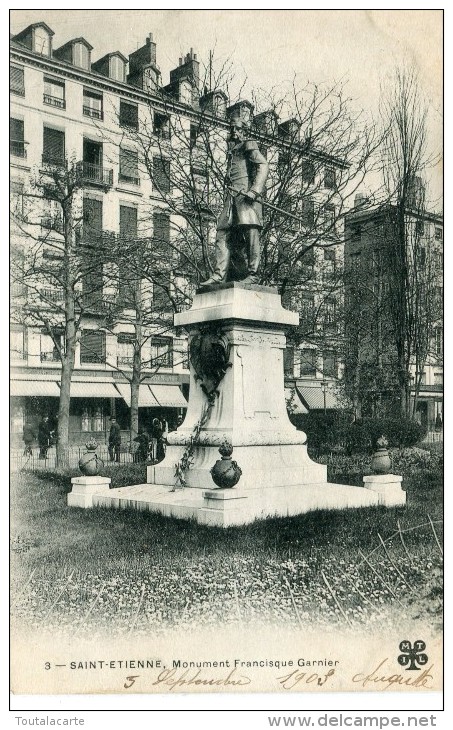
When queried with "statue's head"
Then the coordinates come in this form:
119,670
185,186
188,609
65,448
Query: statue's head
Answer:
239,130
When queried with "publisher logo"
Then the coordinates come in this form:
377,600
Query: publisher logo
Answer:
411,656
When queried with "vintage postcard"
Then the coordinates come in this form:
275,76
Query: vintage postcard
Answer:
226,417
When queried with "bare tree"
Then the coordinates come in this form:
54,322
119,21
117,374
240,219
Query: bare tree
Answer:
405,161
58,275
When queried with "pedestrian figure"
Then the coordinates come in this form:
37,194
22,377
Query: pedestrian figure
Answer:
143,445
157,433
28,437
43,437
114,440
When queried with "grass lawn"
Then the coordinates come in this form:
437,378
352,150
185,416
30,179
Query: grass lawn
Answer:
140,572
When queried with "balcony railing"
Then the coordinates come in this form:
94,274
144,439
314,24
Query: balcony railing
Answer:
52,295
54,101
17,148
92,237
96,175
125,361
88,111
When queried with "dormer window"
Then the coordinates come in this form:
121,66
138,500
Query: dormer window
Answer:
77,52
117,69
81,56
41,41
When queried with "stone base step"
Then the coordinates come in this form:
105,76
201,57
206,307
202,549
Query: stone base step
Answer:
225,507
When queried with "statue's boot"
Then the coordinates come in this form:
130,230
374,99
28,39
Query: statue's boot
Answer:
251,279
212,281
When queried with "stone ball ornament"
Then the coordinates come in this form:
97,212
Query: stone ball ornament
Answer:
226,473
380,462
90,464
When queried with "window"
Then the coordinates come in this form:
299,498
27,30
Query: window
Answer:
117,69
81,56
17,198
49,350
161,126
161,230
329,364
128,233
307,311
438,341
161,352
16,80
92,104
308,172
16,138
92,287
17,343
54,93
92,347
308,212
53,147
92,221
329,254
288,361
17,417
93,416
421,256
129,166
438,378
308,257
329,178
126,349
438,233
419,228
329,268
308,363
42,41
161,174
329,315
128,115
329,217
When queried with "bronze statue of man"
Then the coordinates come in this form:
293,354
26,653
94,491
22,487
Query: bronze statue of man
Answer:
237,245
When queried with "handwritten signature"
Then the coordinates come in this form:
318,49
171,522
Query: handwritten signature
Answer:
379,676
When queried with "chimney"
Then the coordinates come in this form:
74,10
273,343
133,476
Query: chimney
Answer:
359,200
189,68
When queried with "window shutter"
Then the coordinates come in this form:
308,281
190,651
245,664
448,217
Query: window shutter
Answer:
53,146
161,174
308,212
128,222
161,226
92,214
92,346
92,286
129,166
17,79
16,130
128,115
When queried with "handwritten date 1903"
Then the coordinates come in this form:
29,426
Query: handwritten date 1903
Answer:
290,681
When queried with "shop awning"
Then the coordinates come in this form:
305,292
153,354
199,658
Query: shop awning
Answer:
40,388
146,398
314,399
169,396
93,390
294,402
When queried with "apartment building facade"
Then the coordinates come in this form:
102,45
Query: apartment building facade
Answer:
68,111
370,295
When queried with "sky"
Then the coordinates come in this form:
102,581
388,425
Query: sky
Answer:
361,47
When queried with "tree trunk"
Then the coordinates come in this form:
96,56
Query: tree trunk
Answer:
68,355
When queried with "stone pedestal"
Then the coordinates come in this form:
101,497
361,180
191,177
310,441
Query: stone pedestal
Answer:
85,488
388,488
249,411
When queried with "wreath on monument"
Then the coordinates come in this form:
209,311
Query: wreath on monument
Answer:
209,355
